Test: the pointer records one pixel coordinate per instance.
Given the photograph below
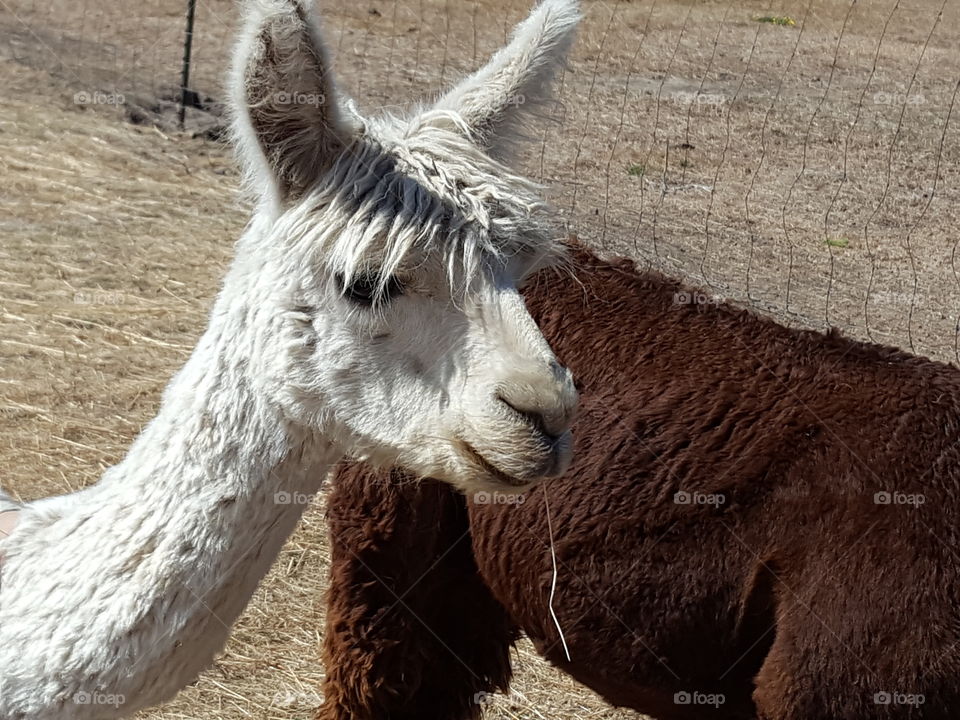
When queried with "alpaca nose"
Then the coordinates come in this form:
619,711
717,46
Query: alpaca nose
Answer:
538,419
549,406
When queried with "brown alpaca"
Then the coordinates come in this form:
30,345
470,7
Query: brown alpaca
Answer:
759,523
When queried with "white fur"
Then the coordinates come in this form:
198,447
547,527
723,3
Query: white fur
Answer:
115,597
500,98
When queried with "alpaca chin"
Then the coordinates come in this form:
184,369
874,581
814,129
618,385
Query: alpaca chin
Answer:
513,450
532,460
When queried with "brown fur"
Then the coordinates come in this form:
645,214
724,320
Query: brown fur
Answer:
799,598
382,661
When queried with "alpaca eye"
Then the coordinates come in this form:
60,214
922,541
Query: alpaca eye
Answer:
365,289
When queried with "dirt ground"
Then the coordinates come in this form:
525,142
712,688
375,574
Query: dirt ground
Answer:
808,170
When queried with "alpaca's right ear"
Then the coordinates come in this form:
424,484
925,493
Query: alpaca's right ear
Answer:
497,99
287,123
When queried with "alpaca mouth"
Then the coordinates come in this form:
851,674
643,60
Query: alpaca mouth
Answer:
473,454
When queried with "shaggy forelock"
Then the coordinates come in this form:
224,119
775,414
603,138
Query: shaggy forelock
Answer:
417,187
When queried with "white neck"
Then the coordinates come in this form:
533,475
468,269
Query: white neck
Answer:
128,587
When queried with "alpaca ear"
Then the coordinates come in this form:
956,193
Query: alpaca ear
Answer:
288,125
498,98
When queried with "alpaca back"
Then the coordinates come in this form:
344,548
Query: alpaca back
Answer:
742,495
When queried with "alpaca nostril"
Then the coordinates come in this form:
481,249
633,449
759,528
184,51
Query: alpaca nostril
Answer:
535,417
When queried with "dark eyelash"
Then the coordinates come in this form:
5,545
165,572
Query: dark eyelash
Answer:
365,290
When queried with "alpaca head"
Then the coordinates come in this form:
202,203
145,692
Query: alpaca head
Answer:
396,245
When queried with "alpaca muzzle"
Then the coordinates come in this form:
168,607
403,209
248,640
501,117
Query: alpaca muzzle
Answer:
547,401
523,436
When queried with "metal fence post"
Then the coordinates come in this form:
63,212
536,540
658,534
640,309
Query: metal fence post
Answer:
185,76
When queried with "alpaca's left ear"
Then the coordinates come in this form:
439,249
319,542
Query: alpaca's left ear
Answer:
497,99
288,125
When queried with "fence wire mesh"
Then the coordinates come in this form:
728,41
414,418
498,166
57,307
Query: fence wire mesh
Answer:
799,157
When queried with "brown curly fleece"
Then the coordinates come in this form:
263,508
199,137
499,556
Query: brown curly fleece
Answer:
778,578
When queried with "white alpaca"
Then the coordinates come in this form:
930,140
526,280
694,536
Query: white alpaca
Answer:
371,310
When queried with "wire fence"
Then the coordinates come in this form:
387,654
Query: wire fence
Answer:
800,157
